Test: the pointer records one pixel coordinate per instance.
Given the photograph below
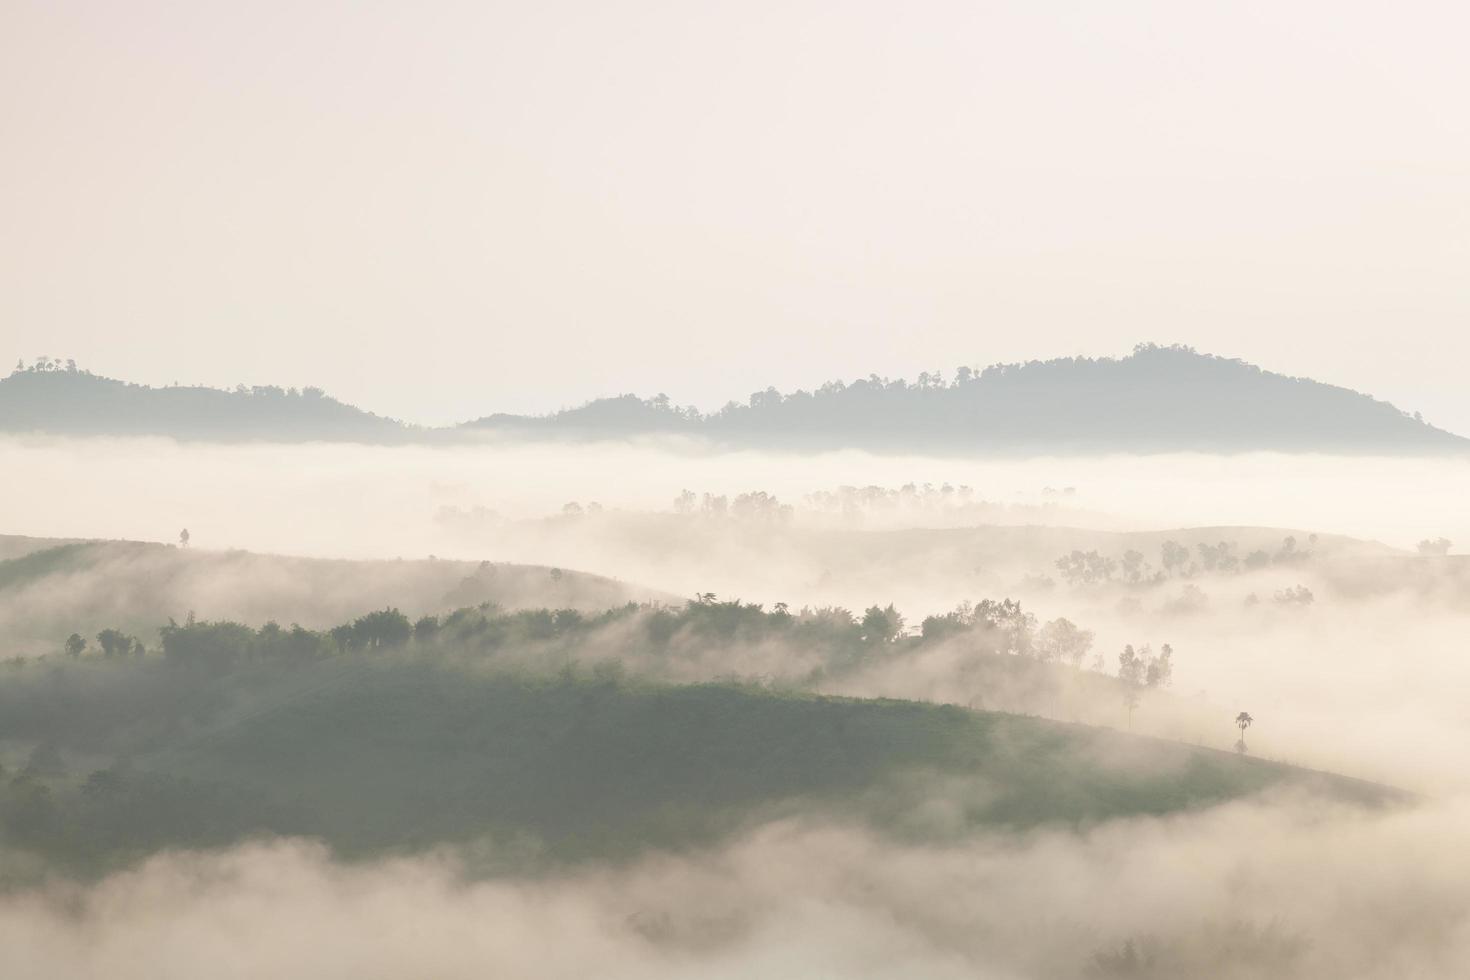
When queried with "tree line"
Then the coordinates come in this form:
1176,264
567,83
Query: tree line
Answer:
996,626
1177,561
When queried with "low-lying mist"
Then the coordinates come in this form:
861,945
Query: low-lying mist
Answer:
1362,679
1286,889
138,587
321,499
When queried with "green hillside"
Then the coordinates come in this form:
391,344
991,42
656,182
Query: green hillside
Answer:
112,758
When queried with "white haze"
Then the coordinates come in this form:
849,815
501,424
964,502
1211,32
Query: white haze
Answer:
515,206
322,499
1285,889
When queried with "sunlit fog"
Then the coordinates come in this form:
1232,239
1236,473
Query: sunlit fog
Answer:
734,490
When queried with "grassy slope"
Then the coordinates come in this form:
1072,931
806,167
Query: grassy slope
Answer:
86,586
375,756
19,545
583,762
31,566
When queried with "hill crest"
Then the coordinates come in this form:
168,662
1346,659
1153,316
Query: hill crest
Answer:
1156,399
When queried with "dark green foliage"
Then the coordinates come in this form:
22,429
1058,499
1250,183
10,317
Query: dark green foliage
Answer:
882,624
390,744
385,629
425,628
115,815
225,646
115,643
28,812
395,755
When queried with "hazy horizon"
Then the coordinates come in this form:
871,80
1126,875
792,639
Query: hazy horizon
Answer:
1073,671
527,207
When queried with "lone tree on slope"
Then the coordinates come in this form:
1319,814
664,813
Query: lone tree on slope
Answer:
1242,721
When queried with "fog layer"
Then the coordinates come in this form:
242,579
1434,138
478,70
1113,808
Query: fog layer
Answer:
1278,890
320,499
1364,680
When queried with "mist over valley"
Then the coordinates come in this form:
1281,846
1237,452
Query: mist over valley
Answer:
734,490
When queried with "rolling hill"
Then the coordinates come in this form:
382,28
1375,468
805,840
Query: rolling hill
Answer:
78,403
1157,399
113,759
50,589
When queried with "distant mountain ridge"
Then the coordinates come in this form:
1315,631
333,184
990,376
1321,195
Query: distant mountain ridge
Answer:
1156,399
72,402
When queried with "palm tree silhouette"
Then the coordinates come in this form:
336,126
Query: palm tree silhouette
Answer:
1242,721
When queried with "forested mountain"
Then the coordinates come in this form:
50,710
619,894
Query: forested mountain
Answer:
73,402
1158,399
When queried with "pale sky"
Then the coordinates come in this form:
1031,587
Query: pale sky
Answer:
439,210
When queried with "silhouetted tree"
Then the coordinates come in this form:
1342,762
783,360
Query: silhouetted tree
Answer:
115,643
425,628
882,625
1243,721
384,628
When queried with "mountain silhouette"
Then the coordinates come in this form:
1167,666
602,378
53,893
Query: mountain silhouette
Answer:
1157,399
